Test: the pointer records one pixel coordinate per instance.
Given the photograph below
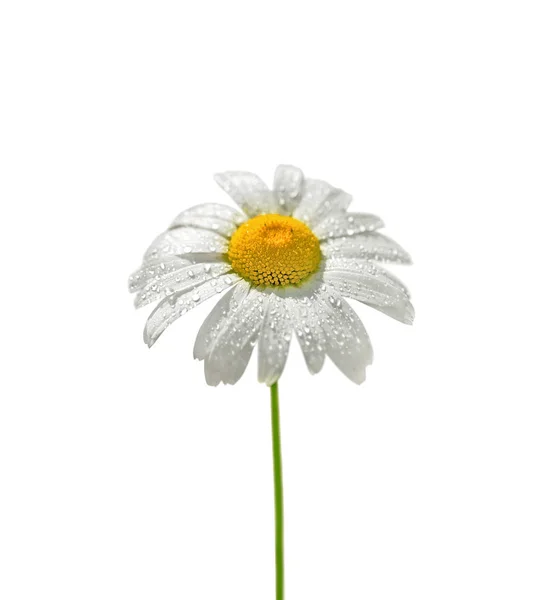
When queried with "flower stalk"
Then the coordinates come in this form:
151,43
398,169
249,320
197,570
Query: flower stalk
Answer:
278,493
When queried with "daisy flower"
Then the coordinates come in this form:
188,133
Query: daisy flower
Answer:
289,260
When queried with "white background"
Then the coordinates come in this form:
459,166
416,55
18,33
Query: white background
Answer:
122,475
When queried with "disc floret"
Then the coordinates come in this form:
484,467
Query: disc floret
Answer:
274,250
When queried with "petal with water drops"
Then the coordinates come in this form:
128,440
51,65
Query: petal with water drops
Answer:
336,203
288,185
186,278
347,342
313,195
218,318
361,265
371,246
379,294
274,340
178,304
216,210
231,351
155,270
319,200
185,241
346,225
248,191
224,228
308,331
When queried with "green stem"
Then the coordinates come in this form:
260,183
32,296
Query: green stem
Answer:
278,498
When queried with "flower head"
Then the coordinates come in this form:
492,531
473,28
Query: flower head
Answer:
288,261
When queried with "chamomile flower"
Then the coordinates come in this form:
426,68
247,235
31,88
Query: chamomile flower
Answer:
287,260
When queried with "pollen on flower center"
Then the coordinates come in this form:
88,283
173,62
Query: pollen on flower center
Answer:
274,250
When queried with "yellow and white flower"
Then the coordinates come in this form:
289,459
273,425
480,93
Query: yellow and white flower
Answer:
288,260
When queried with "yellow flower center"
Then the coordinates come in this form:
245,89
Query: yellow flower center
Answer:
274,250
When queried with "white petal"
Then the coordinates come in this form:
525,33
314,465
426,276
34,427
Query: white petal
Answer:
221,226
248,191
346,224
347,342
319,200
335,203
231,351
383,296
306,324
274,340
186,240
215,217
366,267
186,278
314,193
213,209
288,185
178,304
371,246
402,312
155,270
218,318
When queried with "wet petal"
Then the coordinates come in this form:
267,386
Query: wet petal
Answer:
184,241
218,318
155,270
371,246
288,185
248,191
186,278
221,226
319,200
337,202
381,295
347,342
314,194
346,225
365,267
307,328
178,304
274,340
216,210
231,351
